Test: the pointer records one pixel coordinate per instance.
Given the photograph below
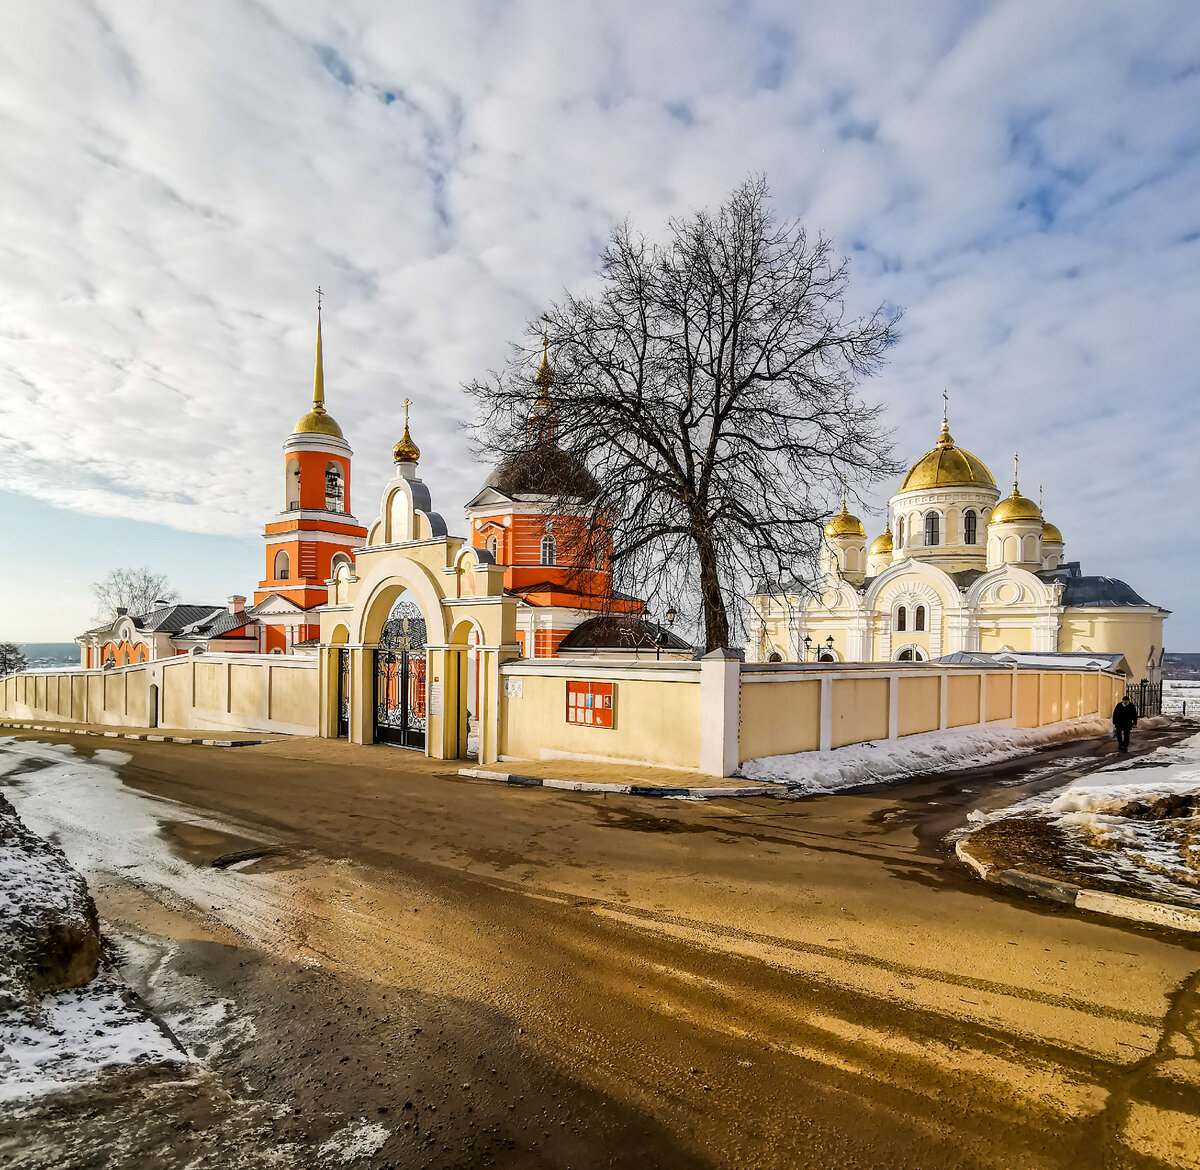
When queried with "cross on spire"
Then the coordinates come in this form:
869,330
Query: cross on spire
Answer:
406,404
945,406
319,295
1016,466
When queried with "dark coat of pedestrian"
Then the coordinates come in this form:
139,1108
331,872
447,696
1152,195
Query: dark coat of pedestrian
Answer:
1124,717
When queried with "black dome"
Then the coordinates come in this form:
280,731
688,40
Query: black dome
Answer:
543,470
1081,590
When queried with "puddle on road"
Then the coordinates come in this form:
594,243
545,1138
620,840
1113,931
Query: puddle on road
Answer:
206,845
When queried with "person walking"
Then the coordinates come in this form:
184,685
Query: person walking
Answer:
1124,719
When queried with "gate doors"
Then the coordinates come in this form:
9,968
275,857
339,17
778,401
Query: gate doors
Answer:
400,715
400,697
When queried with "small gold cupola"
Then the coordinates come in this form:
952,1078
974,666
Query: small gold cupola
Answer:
406,451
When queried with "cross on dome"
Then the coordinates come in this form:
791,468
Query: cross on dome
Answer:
406,451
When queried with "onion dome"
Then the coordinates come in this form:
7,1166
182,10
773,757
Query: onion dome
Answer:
1016,508
317,421
543,469
882,545
406,451
844,524
1051,534
947,466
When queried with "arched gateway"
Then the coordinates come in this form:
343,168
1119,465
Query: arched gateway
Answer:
414,634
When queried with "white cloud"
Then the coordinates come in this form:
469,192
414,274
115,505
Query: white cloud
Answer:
176,180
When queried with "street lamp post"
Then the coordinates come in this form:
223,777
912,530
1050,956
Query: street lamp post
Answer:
807,646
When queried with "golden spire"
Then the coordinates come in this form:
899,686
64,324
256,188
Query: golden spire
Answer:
319,372
406,451
544,378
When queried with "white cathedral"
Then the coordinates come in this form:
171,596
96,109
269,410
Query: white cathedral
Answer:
963,571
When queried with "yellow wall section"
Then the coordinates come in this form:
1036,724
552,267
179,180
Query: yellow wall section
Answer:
999,696
860,710
962,700
918,704
246,685
778,718
654,721
1052,690
293,694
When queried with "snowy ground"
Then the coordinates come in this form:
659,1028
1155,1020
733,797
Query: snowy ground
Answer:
77,1034
893,759
1181,696
80,1033
1136,822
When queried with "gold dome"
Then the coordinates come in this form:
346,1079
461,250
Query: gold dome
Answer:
1017,508
317,422
947,466
882,544
406,451
843,524
1051,534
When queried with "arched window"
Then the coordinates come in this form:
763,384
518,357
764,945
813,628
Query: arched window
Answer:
292,485
902,618
282,566
338,561
548,549
492,545
900,532
970,521
905,656
932,529
599,562
919,618
335,488
774,656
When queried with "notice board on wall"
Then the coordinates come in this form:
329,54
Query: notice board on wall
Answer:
591,703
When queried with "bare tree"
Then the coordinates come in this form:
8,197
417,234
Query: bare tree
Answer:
133,590
709,385
12,659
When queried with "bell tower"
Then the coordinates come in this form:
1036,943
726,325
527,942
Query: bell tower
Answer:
315,530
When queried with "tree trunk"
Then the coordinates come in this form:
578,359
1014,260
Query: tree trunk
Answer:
716,619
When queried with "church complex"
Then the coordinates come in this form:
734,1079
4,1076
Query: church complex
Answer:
956,571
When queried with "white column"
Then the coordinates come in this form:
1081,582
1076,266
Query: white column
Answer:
720,708
826,741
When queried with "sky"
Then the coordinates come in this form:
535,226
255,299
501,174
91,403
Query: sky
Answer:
1023,178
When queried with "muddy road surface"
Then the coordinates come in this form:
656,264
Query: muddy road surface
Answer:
392,966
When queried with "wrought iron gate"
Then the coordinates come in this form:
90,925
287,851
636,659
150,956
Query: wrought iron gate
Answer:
343,694
400,679
1146,697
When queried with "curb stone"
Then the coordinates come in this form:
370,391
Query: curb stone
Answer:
58,729
1167,914
514,778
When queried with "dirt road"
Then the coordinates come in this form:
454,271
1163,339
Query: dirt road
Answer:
427,971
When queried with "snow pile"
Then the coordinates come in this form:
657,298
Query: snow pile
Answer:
1136,823
60,1022
892,759
75,1035
49,929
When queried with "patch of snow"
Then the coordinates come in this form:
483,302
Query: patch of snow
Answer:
1181,697
80,1033
358,1140
911,755
1161,856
